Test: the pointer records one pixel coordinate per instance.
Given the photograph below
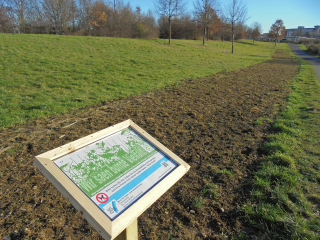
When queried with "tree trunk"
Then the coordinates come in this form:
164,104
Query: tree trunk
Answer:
169,30
232,29
232,41
21,18
275,42
222,37
204,34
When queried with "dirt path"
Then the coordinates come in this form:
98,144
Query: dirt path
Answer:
209,122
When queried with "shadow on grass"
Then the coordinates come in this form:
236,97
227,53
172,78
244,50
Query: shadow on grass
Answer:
247,43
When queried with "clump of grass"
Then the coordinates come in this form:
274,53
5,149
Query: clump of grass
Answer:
225,171
286,189
281,159
196,202
261,120
210,190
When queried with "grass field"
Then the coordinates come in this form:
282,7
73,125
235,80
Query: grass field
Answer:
208,122
285,200
280,198
44,75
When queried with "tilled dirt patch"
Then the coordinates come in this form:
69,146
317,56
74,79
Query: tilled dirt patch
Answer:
208,122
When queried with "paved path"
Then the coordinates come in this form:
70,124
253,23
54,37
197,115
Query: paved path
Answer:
315,61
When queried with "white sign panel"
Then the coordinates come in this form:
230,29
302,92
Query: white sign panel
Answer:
117,170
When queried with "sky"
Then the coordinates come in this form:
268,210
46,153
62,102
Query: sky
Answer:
294,13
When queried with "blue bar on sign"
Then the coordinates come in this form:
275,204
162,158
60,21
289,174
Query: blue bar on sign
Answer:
126,188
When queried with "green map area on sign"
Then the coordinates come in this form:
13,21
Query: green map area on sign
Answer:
111,158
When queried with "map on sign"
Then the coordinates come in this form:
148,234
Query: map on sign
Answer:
117,170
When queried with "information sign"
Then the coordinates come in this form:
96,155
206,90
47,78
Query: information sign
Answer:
113,176
117,170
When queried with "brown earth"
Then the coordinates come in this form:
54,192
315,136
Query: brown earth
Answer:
208,122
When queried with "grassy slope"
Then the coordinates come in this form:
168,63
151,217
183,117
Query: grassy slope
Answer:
285,200
45,74
303,47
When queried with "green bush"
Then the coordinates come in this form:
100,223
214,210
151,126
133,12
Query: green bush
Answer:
314,49
309,41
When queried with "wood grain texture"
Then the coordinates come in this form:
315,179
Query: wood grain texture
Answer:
73,146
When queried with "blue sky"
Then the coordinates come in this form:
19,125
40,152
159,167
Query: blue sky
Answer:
294,13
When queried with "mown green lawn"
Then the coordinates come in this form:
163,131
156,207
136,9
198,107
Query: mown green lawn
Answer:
285,199
44,75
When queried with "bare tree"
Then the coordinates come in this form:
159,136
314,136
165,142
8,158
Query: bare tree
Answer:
224,29
277,31
20,9
6,19
214,27
125,20
58,13
36,18
85,15
205,13
237,15
256,30
151,25
249,32
169,9
82,17
241,32
144,25
74,14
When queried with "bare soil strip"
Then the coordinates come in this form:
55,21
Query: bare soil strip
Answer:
209,122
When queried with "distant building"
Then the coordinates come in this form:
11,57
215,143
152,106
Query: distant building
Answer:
296,33
264,36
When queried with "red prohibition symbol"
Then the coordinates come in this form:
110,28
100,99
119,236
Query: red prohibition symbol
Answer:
102,197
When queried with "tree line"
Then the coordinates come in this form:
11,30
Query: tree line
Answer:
76,17
208,20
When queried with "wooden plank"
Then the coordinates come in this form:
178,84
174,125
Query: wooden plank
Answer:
71,147
130,233
132,230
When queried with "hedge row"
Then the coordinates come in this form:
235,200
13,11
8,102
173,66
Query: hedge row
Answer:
314,49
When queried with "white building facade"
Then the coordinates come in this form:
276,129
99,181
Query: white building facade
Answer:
294,33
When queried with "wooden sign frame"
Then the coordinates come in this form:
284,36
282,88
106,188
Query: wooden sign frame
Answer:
108,229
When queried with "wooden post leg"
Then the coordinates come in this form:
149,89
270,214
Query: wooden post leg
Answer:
130,233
